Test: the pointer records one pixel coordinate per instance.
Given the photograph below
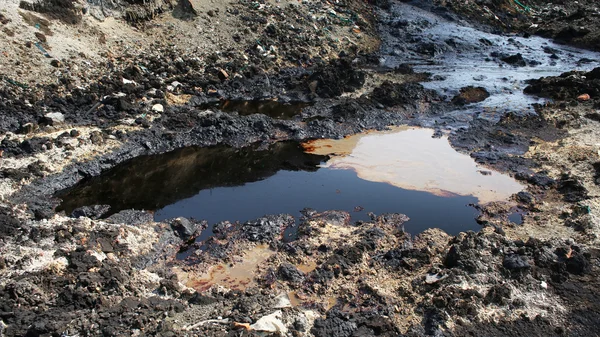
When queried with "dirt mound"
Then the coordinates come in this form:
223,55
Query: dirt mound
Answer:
568,86
67,11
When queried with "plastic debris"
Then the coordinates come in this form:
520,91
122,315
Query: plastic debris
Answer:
584,97
270,323
39,46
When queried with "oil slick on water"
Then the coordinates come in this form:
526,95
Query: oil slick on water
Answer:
410,158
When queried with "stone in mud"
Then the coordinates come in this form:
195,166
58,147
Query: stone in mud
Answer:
336,324
131,217
578,264
516,60
185,10
183,227
92,212
452,257
515,262
339,77
567,86
53,119
470,95
9,224
498,294
392,94
266,229
289,272
572,189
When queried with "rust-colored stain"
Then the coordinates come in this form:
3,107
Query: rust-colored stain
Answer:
238,276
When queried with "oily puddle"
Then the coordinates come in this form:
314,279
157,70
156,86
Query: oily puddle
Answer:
404,170
411,159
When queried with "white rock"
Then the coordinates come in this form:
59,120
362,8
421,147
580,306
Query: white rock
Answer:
158,108
56,117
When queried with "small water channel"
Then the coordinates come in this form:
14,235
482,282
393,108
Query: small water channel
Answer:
458,55
415,174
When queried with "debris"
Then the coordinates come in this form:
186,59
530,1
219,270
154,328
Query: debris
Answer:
583,97
17,83
282,301
223,75
245,326
270,323
434,278
39,46
199,324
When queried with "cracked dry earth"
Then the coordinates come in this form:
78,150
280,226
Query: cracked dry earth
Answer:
134,79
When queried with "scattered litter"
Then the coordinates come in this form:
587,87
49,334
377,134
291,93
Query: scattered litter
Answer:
39,46
282,301
270,323
208,321
17,83
583,97
434,278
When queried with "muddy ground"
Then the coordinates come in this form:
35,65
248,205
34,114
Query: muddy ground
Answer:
96,83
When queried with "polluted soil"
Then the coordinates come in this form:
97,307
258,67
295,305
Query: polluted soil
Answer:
478,121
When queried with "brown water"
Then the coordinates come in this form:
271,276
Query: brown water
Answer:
410,158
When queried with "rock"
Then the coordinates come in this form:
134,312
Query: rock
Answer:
498,294
516,60
92,212
266,229
158,108
185,10
515,262
131,217
55,63
391,94
40,37
270,323
183,227
470,95
452,258
525,197
27,128
290,273
578,264
74,133
96,137
54,119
